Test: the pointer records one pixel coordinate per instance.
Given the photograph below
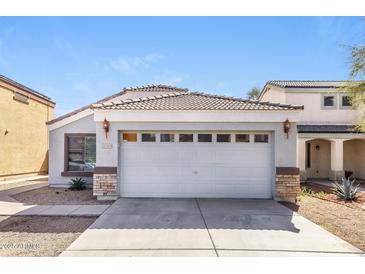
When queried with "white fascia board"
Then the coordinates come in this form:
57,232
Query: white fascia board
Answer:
68,120
195,116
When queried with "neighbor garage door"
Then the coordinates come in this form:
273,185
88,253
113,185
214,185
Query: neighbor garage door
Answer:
195,164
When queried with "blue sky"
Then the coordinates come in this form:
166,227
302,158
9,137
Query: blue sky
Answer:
78,60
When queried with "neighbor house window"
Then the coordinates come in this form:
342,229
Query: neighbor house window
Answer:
80,152
329,101
167,137
261,138
21,98
186,138
223,138
242,138
346,102
204,138
148,137
129,137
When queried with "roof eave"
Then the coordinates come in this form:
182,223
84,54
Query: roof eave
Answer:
26,89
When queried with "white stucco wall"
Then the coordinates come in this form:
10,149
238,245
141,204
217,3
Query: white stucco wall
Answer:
56,149
197,120
274,95
311,99
354,157
314,113
320,159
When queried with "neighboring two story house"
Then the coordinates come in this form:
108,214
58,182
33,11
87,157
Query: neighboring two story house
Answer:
23,131
328,143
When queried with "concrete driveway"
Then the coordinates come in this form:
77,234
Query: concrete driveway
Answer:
205,227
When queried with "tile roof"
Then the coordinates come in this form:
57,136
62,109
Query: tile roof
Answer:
327,129
148,88
20,86
191,101
307,84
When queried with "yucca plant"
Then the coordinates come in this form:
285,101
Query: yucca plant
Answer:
346,190
77,184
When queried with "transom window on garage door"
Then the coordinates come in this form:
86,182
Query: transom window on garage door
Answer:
169,137
261,138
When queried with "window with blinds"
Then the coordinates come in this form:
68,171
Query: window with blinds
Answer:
81,153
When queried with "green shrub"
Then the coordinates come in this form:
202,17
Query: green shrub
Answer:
346,190
77,184
308,192
305,191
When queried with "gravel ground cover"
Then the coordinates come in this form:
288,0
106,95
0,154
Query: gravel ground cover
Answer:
39,236
344,219
58,196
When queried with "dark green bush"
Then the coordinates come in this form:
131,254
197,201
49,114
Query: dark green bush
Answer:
77,184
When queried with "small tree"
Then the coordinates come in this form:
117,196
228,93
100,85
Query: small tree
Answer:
356,89
254,93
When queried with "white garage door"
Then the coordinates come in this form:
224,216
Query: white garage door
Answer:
182,164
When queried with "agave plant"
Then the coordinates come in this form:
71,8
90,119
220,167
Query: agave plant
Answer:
77,184
346,190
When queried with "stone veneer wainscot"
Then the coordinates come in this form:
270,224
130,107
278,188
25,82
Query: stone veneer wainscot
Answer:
287,184
105,183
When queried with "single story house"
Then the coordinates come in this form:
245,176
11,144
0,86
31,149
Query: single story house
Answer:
163,141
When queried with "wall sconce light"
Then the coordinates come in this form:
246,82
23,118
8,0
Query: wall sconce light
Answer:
106,127
317,147
286,125
6,132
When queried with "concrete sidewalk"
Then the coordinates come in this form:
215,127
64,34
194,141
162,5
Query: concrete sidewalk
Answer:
11,207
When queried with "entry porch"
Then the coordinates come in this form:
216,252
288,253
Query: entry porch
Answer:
329,155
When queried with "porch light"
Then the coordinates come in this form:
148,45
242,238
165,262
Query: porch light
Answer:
106,127
286,124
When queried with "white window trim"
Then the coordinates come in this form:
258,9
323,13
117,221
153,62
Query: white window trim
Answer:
216,138
342,106
335,102
157,137
170,133
250,136
207,133
178,137
268,138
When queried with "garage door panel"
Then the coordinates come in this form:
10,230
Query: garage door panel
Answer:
150,188
149,172
197,172
195,169
242,173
